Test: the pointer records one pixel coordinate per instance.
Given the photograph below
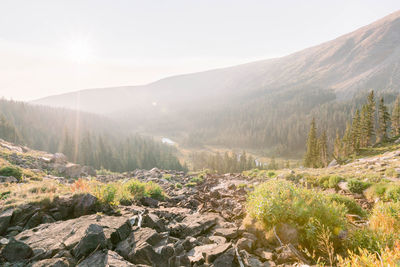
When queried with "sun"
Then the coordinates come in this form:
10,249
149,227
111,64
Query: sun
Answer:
79,51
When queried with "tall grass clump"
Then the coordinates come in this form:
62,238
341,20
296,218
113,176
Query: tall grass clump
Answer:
280,201
11,171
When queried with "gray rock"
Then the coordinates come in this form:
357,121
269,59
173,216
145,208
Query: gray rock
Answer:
48,239
229,233
138,247
105,259
84,204
153,221
5,218
333,163
245,244
194,225
16,251
56,262
226,259
94,238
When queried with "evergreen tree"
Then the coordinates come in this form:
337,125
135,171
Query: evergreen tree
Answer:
396,117
311,156
337,147
323,149
356,131
383,121
370,122
347,141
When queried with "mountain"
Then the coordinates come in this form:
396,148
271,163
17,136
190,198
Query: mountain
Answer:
238,97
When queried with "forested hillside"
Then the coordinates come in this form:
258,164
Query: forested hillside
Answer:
84,138
265,105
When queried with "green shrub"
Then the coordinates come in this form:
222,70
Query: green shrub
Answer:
167,177
136,188
11,171
153,190
178,185
108,193
190,184
197,180
352,206
271,174
376,190
386,217
280,201
141,189
368,239
391,172
393,193
357,186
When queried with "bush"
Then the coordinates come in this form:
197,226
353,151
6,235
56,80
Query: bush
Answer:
393,193
178,185
352,206
386,217
271,174
141,189
190,184
167,177
357,186
330,181
108,193
376,190
365,238
11,171
197,180
136,188
153,190
281,201
391,172
387,257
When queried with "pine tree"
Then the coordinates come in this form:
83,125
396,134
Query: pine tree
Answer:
323,149
337,147
311,156
370,122
356,131
346,141
383,121
396,117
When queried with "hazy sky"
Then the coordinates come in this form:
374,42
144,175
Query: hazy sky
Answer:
51,47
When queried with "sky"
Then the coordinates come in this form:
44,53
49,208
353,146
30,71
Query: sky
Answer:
50,47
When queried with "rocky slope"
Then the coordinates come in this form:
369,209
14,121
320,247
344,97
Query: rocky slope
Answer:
200,222
197,224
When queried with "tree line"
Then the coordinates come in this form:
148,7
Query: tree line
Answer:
231,162
370,125
84,138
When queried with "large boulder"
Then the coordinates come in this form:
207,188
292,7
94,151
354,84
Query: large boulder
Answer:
84,204
73,170
207,253
94,239
226,259
47,240
105,259
5,218
16,251
194,225
139,247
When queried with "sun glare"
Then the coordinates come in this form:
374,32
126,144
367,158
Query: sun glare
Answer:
79,51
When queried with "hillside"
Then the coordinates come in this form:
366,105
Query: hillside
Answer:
261,101
169,218
84,138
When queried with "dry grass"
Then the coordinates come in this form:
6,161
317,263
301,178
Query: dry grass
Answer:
12,195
